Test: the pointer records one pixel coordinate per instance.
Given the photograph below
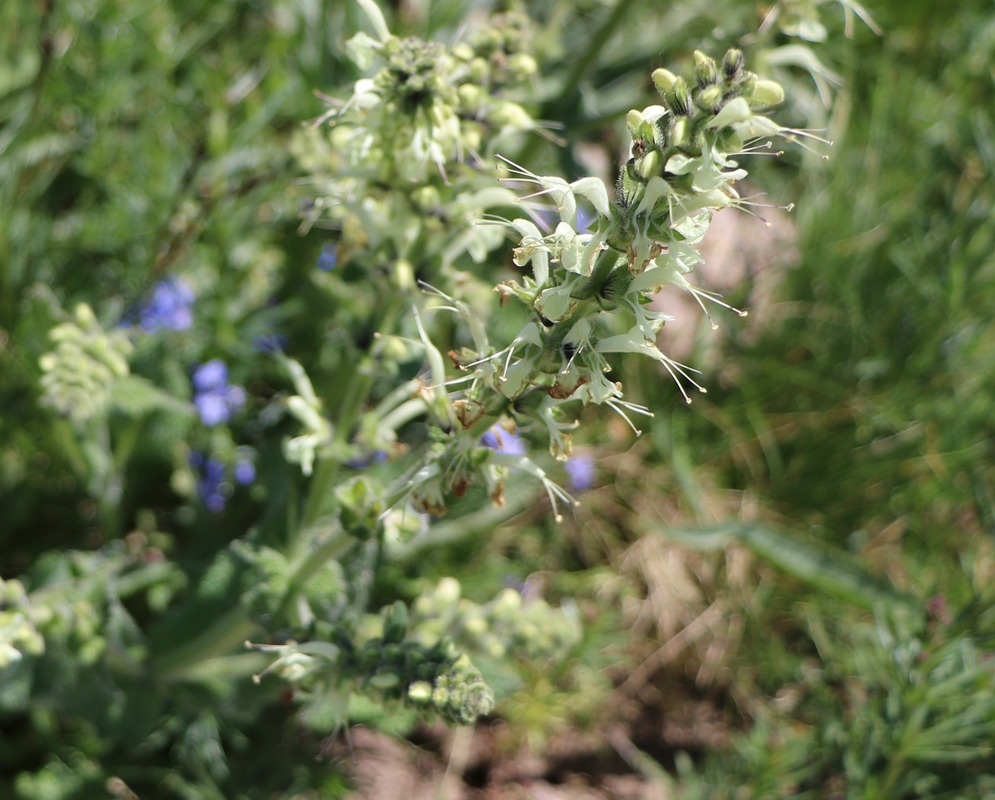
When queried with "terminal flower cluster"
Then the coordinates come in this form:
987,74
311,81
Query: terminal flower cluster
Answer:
398,164
80,371
591,280
436,679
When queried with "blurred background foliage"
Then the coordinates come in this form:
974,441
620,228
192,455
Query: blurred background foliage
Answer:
801,561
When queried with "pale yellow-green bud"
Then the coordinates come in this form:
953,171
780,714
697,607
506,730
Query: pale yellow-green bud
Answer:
463,52
507,603
664,80
633,120
470,98
85,316
480,71
766,93
475,626
471,139
680,133
404,275
12,590
511,115
679,99
705,69
384,680
426,198
709,99
649,165
522,65
448,592
420,692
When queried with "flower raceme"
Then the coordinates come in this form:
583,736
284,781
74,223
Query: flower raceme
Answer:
398,164
681,168
590,284
590,276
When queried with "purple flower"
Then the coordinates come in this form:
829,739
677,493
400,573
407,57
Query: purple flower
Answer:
211,486
329,257
580,469
212,474
245,471
503,441
169,307
215,398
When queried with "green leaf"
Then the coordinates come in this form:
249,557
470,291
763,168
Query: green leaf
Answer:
832,571
135,396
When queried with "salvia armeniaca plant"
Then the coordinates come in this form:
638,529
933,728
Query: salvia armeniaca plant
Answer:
590,286
407,188
405,135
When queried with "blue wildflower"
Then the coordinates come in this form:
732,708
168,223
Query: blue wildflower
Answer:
329,257
503,441
169,307
211,486
580,469
245,471
215,398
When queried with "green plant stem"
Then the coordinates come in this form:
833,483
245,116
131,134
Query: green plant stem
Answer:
235,627
603,266
356,394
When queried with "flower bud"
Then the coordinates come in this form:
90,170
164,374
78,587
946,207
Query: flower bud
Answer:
705,69
664,80
678,99
470,97
480,73
649,165
634,120
404,275
507,603
680,133
766,93
522,65
709,99
384,680
511,115
447,593
426,198
647,132
420,692
732,63
462,52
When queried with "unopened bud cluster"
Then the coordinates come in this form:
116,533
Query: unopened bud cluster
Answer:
79,371
25,626
398,168
507,625
433,678
18,634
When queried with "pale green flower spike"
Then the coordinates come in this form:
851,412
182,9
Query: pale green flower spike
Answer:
80,371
